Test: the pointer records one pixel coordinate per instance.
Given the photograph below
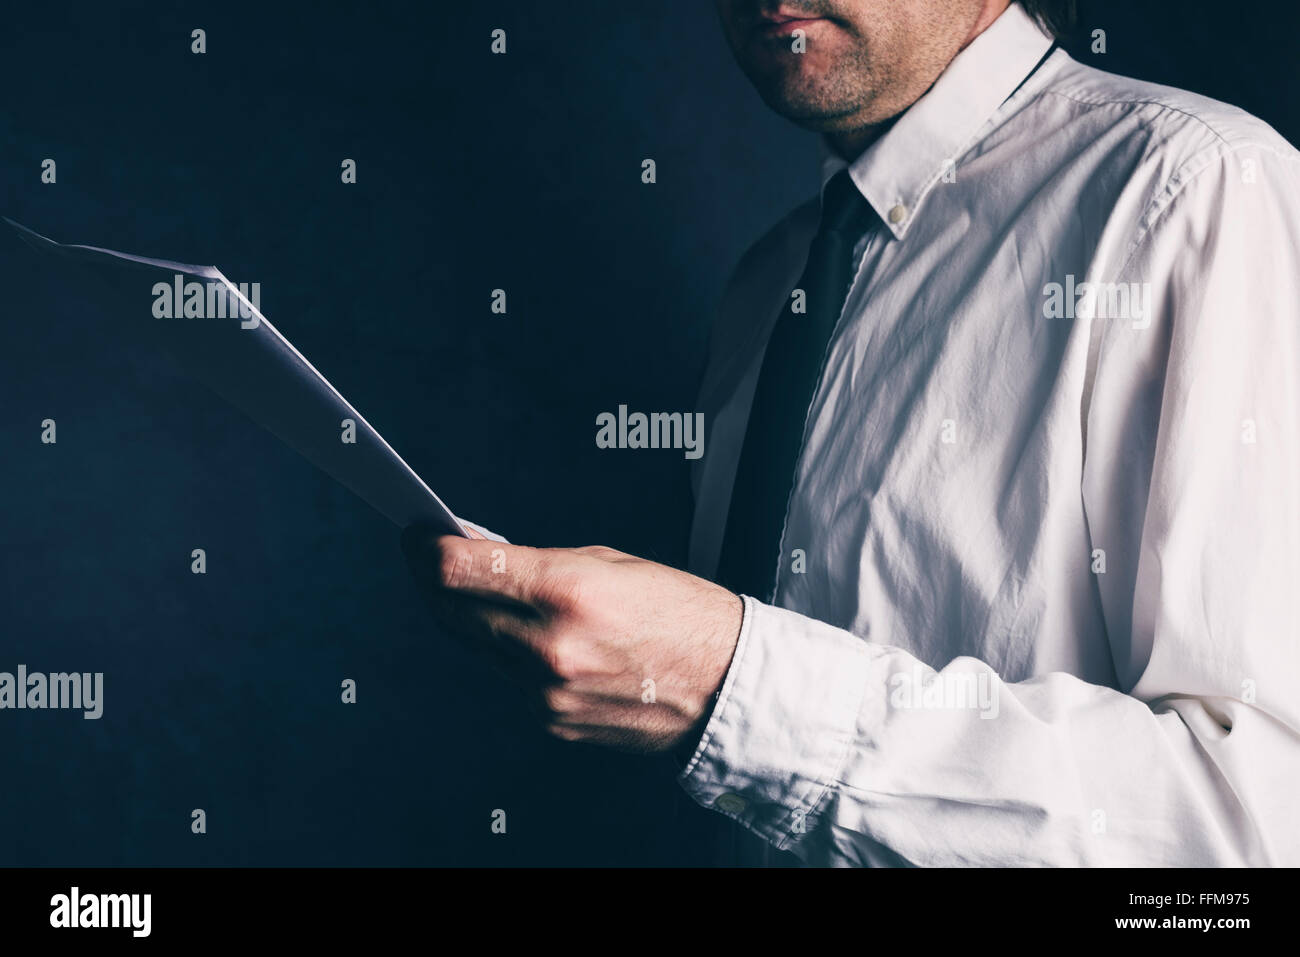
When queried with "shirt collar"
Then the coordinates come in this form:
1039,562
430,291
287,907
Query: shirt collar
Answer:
897,171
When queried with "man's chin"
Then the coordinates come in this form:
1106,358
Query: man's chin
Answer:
813,115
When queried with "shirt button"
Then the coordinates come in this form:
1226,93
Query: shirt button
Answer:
731,803
898,214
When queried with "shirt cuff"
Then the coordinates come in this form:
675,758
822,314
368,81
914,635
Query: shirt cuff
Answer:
781,729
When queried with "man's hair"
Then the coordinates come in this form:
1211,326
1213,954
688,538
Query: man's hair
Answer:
1055,16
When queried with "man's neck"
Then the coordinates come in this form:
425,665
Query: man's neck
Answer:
850,144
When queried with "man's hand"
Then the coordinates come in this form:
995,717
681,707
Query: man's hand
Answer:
611,648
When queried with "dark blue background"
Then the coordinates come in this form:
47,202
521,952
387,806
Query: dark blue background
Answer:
474,172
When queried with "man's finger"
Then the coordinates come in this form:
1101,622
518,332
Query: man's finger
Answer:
478,567
489,622
506,636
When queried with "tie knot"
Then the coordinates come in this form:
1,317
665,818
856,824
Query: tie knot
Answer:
844,209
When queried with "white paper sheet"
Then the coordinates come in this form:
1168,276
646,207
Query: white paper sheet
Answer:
248,361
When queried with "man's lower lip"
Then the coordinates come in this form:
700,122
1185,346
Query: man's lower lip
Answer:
786,27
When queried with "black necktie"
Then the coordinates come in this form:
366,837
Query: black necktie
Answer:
791,369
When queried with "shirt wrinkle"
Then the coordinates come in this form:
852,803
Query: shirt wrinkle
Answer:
1053,506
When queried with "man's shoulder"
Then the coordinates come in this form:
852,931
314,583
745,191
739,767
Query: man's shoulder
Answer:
788,236
772,254
1178,122
760,276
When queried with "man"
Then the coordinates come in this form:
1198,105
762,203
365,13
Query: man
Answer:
1004,459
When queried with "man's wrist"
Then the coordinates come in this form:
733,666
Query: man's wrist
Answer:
690,741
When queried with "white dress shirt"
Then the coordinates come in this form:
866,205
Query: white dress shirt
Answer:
1038,596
